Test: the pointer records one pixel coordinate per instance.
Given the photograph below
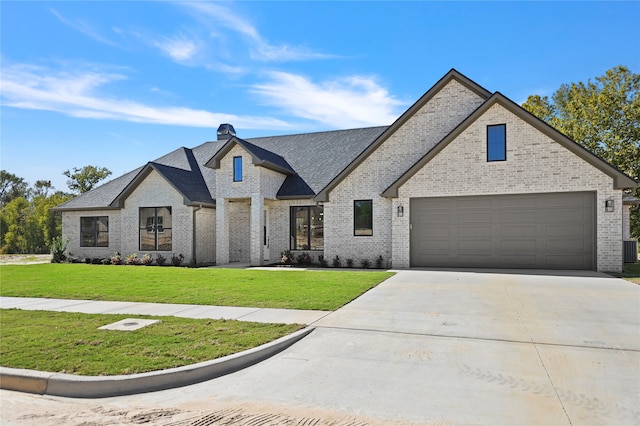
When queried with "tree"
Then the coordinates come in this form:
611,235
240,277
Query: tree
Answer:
601,115
84,179
11,187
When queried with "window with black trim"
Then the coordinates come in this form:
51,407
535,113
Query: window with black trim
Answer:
307,228
237,169
363,217
155,229
497,142
94,231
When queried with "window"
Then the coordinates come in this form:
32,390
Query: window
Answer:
307,228
94,231
497,142
155,229
363,217
237,169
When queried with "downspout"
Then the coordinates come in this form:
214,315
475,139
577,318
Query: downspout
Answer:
193,242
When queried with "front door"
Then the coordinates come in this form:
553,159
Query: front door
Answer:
265,241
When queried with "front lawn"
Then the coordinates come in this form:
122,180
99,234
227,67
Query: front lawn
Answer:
316,290
631,272
71,343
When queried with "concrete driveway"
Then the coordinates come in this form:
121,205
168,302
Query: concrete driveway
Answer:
425,347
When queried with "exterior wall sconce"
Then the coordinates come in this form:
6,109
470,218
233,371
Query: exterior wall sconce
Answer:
609,206
400,211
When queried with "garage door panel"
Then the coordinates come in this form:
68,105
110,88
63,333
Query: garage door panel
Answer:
518,231
547,231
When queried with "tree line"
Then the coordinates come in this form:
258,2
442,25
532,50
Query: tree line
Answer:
27,223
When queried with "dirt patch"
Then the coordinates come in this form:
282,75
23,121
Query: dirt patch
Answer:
24,259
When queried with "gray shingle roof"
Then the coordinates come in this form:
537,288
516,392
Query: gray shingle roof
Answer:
313,159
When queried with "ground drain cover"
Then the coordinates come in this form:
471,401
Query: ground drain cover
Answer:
128,324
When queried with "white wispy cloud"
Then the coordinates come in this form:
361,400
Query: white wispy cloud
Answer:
77,93
354,101
215,15
179,47
83,27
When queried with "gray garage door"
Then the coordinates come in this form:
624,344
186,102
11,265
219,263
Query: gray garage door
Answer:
540,231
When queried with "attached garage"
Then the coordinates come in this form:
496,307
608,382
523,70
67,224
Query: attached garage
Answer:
533,231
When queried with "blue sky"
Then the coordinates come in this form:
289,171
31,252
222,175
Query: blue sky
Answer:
117,84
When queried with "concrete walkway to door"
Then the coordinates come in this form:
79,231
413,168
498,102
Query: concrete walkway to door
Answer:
427,347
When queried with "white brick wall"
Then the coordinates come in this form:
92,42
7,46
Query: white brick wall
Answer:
416,137
535,164
240,229
71,231
124,224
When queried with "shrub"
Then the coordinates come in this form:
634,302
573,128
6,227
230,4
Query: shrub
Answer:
322,261
379,262
132,259
304,258
336,262
146,259
96,261
287,258
160,260
177,260
58,247
365,263
105,261
349,263
116,259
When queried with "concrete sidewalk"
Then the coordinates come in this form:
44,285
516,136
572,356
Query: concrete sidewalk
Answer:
264,315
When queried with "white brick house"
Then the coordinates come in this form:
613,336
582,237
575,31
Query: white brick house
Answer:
463,178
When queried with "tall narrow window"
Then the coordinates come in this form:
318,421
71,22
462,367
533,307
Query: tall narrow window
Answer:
94,231
155,229
497,142
237,169
307,228
363,217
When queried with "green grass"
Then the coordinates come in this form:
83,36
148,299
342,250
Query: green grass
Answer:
317,290
631,273
71,343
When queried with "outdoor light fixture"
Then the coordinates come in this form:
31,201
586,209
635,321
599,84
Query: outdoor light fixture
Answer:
608,206
400,211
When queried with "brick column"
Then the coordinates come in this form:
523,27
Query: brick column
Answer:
257,229
222,232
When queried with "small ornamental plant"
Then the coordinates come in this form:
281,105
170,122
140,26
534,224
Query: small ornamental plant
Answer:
116,259
349,263
132,259
336,262
365,263
379,262
287,259
322,261
160,260
146,259
177,260
304,258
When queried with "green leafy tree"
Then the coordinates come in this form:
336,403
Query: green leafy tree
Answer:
11,186
16,214
601,115
85,179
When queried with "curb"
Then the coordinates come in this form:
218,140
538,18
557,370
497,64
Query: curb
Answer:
70,385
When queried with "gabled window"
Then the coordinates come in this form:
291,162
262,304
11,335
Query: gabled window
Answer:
155,229
497,142
94,231
307,228
237,169
363,217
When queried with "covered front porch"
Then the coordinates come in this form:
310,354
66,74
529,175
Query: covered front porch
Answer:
242,231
